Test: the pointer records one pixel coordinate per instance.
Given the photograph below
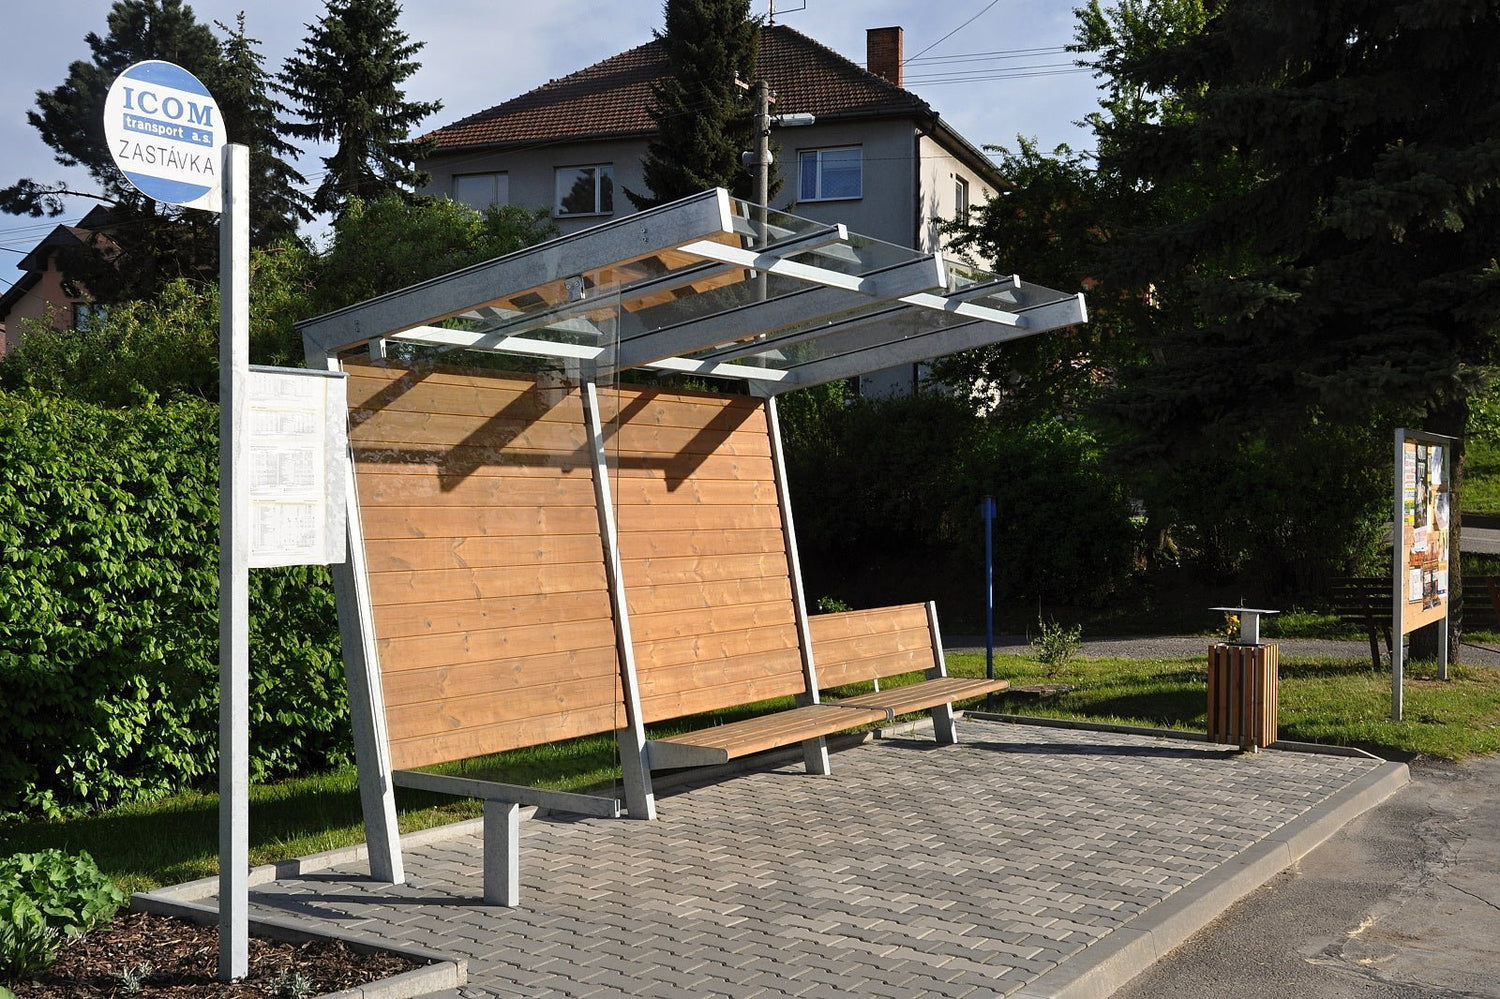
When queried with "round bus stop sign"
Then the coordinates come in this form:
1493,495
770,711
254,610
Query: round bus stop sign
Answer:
166,134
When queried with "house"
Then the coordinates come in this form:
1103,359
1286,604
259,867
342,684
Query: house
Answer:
876,157
44,289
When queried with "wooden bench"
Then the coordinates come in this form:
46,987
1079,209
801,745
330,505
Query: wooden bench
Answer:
850,647
1365,601
874,645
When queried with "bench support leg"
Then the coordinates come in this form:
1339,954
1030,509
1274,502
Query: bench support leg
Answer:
502,853
943,729
815,754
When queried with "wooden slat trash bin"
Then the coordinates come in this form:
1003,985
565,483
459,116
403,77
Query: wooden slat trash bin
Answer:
1243,693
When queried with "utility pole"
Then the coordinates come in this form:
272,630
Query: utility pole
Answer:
760,93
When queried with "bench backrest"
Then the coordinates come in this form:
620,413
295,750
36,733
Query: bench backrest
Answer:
705,563
852,646
491,608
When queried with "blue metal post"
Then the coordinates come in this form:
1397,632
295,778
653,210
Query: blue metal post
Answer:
987,508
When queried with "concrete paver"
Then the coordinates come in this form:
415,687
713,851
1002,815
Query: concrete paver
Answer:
1027,860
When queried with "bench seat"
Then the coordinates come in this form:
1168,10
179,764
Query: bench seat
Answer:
926,694
722,743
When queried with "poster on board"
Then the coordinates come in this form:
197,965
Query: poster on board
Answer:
1424,519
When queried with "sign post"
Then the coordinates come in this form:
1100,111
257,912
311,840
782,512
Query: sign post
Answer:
280,487
1419,544
234,572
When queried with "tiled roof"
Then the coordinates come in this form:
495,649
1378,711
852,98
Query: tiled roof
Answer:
613,98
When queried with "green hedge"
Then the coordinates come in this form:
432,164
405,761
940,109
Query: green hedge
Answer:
109,614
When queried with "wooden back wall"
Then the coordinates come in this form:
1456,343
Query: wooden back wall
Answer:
491,609
707,578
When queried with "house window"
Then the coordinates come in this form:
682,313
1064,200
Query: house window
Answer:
960,199
586,190
831,174
480,190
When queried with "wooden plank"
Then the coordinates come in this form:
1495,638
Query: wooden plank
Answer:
645,544
673,473
646,598
424,651
421,485
835,673
648,628
710,648
463,616
423,554
828,628
389,588
781,728
641,492
927,693
666,408
520,399
414,721
697,518
696,569
466,743
468,431
476,522
456,461
670,441
781,670
857,646
497,677
700,700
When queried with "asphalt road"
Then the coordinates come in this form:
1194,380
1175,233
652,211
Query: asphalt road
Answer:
1403,902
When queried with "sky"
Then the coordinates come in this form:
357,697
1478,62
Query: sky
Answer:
993,69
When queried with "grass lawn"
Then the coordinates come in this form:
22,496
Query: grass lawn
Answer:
1331,701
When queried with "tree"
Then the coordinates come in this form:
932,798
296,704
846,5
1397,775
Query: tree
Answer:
1321,195
703,119
397,241
245,96
70,117
345,81
1051,224
147,244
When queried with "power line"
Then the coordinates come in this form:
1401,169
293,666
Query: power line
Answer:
954,31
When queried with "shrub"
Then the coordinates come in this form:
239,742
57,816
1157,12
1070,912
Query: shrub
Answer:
45,898
886,496
109,606
1055,645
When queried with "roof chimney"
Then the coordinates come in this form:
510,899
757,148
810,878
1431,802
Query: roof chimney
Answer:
883,53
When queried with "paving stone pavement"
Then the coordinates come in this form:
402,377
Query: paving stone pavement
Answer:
914,870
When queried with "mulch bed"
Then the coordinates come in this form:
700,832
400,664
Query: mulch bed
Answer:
183,961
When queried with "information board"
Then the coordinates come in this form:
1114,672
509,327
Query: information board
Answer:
1425,517
296,438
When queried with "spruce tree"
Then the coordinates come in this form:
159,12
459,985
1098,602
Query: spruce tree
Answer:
703,118
345,81
245,97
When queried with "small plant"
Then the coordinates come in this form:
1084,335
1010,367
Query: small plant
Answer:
1230,628
1056,645
133,978
46,898
293,985
28,946
832,605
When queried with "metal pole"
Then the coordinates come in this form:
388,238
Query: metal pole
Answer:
234,570
1398,582
988,510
